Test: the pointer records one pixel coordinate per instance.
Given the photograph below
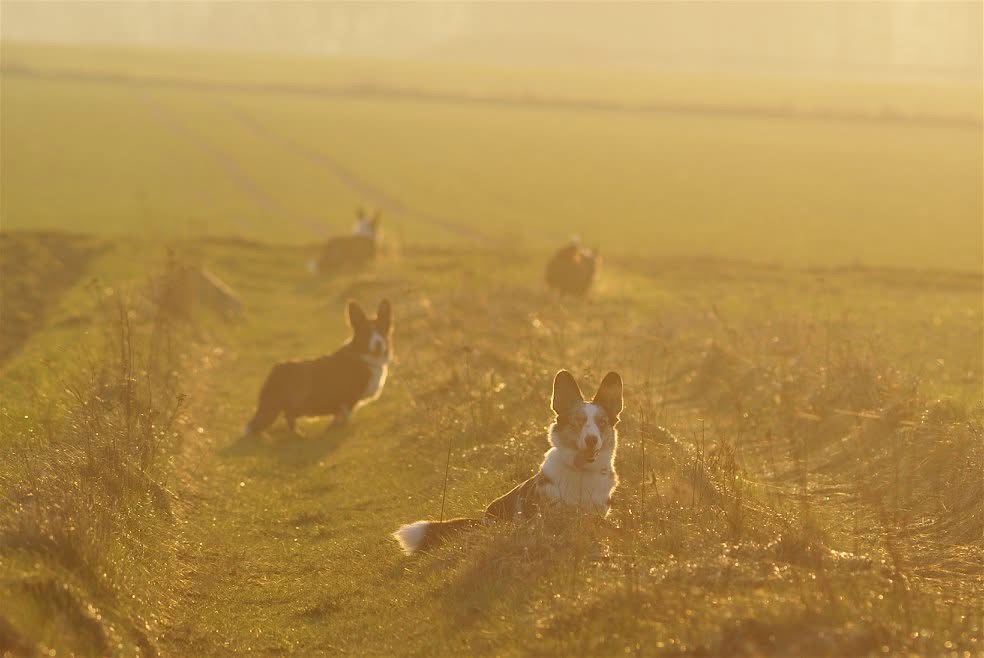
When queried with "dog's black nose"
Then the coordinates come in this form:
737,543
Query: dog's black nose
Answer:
591,441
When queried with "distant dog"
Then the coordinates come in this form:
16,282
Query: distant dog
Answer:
336,384
365,226
577,472
354,250
572,269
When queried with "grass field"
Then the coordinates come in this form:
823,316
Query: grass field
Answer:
794,300
287,149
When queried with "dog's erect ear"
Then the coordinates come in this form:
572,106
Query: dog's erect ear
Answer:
609,395
566,393
384,317
356,316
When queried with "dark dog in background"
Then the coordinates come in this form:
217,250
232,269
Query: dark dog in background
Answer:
354,250
336,384
572,270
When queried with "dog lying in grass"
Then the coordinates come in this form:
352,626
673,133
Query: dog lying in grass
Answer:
354,250
572,269
336,384
578,471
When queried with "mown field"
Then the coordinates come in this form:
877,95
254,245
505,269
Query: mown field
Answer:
755,169
794,302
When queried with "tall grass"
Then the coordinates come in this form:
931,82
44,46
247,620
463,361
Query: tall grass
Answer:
805,498
785,489
88,537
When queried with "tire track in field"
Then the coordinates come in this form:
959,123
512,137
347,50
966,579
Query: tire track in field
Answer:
344,175
177,126
507,100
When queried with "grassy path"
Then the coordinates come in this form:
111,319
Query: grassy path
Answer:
290,548
774,523
280,535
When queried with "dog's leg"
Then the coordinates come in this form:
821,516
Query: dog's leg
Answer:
341,417
291,423
261,420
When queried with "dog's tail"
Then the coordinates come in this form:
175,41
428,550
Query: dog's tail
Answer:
423,535
269,406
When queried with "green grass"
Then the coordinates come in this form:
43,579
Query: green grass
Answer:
275,164
800,453
283,543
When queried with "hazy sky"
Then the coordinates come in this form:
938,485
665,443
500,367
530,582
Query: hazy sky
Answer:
918,38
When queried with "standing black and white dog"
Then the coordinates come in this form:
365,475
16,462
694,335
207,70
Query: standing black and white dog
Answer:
335,384
578,471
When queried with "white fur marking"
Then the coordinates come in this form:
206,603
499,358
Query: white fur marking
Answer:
588,489
411,536
377,344
363,227
377,379
378,362
312,266
588,486
590,427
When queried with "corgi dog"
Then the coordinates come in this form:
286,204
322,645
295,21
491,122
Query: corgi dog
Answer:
365,226
336,384
578,471
353,250
572,269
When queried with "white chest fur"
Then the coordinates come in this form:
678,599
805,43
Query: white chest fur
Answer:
587,489
377,379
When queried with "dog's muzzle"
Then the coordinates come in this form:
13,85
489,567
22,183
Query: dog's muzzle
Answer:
586,456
